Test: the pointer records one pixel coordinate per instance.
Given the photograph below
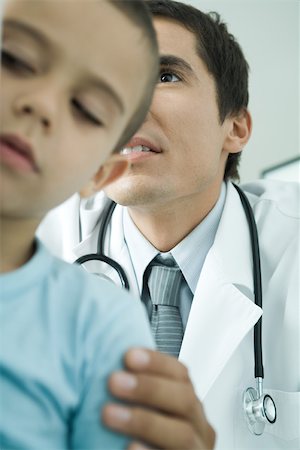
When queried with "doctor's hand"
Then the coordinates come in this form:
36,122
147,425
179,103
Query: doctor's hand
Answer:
162,409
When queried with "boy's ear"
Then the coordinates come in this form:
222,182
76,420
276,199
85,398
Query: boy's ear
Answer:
110,171
239,132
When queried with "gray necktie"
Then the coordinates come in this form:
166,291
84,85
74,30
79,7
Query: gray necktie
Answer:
164,283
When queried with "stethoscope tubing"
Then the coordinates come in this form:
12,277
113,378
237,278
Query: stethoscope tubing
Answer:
100,256
257,284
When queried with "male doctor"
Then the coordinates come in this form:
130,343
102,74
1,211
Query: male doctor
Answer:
178,201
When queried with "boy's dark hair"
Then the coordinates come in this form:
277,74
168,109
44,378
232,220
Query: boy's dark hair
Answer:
137,11
222,56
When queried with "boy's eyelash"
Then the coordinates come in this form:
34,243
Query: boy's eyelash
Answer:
85,113
15,63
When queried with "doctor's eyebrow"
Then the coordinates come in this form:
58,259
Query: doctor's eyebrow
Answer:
176,62
30,31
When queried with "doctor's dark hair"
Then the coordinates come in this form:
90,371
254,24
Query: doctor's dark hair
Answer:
138,12
222,56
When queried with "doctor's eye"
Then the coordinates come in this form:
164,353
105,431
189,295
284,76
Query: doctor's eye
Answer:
16,64
168,77
85,114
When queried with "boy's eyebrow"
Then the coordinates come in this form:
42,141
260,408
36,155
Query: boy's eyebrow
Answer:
35,34
176,62
19,26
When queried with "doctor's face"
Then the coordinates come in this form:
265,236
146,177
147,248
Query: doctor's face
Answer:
187,142
69,85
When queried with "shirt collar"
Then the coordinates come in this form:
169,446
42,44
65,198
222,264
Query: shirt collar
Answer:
189,254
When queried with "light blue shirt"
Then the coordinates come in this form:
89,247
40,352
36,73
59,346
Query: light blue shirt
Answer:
62,333
189,254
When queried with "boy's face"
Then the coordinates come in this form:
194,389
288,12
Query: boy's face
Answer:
70,80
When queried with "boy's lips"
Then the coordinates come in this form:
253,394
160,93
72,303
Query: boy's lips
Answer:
17,153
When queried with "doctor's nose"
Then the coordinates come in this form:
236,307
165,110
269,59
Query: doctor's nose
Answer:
40,107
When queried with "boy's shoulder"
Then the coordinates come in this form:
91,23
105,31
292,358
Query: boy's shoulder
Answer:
61,299
66,292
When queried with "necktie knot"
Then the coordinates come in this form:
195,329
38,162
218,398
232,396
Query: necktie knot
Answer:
164,282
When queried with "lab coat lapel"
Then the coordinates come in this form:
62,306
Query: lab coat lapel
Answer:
223,311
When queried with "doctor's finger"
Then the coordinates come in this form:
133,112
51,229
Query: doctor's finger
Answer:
156,429
151,361
169,396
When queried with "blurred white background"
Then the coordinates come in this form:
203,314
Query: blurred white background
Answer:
268,32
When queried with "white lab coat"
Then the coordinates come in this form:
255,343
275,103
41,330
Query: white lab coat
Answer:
218,342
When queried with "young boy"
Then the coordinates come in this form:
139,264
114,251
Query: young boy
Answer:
72,91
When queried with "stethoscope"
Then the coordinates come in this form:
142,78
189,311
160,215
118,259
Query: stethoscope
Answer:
259,408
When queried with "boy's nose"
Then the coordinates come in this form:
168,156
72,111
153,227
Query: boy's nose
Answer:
29,110
40,107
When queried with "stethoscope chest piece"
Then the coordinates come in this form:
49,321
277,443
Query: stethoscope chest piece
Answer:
259,410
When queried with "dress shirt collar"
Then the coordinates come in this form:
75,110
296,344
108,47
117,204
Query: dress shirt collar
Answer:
189,254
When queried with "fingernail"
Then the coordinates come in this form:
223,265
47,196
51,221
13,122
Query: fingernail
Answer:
118,414
139,357
138,446
125,381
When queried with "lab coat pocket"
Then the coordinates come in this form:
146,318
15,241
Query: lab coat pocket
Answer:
287,425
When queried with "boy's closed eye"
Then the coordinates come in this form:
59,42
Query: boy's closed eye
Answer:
84,113
16,64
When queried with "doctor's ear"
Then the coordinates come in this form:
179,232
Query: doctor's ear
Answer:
110,171
239,131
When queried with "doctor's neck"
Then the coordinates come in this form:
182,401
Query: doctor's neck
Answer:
164,226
